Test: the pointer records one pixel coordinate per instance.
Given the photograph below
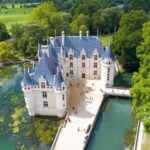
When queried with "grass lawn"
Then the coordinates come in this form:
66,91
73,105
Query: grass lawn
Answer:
106,39
10,15
9,19
16,10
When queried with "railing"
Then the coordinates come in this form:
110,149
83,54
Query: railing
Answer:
57,134
117,91
56,137
137,136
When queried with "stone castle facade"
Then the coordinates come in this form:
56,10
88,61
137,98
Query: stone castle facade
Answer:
45,86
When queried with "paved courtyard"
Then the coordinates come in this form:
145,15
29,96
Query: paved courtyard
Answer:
84,102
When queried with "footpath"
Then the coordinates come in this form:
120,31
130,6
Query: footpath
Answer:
84,104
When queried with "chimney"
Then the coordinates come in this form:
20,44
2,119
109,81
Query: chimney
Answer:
80,34
54,79
63,38
52,40
87,33
33,65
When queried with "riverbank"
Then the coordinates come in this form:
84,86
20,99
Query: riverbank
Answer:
84,104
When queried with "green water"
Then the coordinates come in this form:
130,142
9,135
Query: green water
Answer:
112,125
123,79
114,120
19,131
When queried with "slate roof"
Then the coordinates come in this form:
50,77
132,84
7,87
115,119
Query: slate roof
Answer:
45,68
26,78
48,64
89,43
108,54
58,79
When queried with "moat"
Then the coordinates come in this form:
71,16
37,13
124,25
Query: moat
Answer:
20,131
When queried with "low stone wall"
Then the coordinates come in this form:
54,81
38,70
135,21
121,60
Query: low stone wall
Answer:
57,134
137,136
93,124
56,137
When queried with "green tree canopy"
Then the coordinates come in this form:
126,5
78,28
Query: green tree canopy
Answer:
47,15
6,52
141,80
3,32
128,38
110,18
26,37
81,22
140,5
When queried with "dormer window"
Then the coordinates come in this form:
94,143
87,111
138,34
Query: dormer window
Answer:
71,57
83,57
42,84
95,57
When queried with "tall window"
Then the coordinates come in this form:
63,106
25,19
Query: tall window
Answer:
71,64
95,57
83,57
108,70
71,57
83,65
71,72
42,84
63,97
95,72
45,103
95,65
108,77
44,94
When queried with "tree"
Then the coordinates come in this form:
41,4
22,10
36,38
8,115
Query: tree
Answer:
78,23
16,32
3,32
47,15
140,5
141,81
110,18
128,38
6,52
27,38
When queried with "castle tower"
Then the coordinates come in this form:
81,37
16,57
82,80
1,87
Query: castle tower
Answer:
60,93
108,67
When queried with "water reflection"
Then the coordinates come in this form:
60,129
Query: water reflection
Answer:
17,129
